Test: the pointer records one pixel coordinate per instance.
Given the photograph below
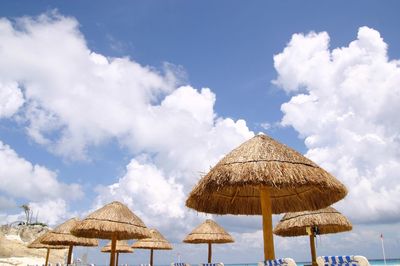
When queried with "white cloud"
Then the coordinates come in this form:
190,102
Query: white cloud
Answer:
11,99
345,106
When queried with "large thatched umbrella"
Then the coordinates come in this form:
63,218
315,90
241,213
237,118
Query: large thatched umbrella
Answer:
37,243
324,221
263,176
156,241
122,246
208,232
113,221
61,235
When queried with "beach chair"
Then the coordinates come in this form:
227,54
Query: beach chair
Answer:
180,264
278,262
342,261
212,264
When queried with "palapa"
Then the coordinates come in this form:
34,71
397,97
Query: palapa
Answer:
263,176
156,241
113,221
122,246
61,235
209,232
324,221
37,243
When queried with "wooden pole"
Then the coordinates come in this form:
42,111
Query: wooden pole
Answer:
69,255
266,208
151,257
313,252
209,252
47,257
113,244
117,259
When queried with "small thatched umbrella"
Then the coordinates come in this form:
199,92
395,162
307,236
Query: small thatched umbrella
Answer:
209,232
37,243
122,246
61,235
324,221
156,241
263,176
113,221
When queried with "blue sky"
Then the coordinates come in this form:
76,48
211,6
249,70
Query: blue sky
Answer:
98,94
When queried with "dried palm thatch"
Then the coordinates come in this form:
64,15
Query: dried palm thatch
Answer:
327,220
37,243
156,241
208,232
295,183
121,247
61,235
112,220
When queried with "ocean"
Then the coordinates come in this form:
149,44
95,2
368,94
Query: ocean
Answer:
375,262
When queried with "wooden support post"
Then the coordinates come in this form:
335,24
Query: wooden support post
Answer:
47,257
151,257
266,208
113,245
117,259
313,252
209,252
69,255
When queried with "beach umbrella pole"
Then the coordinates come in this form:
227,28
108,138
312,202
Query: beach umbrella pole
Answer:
266,208
313,252
69,255
117,259
47,257
209,252
113,245
151,257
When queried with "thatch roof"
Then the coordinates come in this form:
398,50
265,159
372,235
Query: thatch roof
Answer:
208,232
121,247
156,241
37,243
295,182
113,219
328,221
61,235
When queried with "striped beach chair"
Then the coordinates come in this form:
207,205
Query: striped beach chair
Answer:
212,264
278,262
342,261
180,264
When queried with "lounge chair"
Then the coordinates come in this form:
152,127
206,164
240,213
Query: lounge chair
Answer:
180,264
342,261
212,264
278,262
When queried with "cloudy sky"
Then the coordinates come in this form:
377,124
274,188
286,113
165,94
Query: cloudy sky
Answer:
133,101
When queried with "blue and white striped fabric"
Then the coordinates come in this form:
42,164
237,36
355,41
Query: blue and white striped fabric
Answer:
179,264
340,261
277,262
212,264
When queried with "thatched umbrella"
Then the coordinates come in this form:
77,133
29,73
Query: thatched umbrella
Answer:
113,221
37,243
263,176
156,241
122,246
324,221
61,235
209,232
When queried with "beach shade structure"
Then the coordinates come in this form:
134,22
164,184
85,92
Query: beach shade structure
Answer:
114,221
122,246
38,244
323,221
156,241
263,176
61,235
209,233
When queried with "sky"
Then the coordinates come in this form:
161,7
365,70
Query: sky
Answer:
135,100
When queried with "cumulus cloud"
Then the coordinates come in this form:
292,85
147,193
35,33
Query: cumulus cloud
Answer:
345,104
20,178
11,99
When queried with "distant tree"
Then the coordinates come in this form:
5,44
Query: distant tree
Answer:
28,213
